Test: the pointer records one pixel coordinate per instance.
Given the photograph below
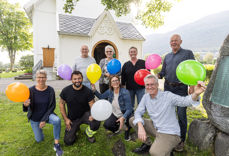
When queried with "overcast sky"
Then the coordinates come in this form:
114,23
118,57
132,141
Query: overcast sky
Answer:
183,12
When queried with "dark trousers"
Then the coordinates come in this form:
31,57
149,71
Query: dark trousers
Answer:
70,136
103,87
111,124
181,111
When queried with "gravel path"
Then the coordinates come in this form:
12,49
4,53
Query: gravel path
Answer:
58,85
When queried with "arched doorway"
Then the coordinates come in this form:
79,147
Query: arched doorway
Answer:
98,51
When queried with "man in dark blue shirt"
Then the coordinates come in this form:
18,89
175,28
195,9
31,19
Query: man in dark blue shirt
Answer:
172,84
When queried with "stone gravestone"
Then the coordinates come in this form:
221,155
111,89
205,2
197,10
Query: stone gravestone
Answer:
216,97
216,103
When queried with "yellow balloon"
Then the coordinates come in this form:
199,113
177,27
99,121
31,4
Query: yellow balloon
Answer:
93,73
17,92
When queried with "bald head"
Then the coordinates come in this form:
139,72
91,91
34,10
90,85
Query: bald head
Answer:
175,42
84,51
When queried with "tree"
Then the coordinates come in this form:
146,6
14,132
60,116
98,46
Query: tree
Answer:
208,58
15,28
197,56
26,62
152,14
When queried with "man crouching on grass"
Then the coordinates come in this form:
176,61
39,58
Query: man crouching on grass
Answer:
163,124
79,100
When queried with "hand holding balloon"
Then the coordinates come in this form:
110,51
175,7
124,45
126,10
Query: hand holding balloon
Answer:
27,103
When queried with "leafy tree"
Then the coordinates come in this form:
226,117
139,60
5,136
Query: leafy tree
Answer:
208,58
26,62
197,56
15,28
151,16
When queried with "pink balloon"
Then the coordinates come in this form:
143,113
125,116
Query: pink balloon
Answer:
153,61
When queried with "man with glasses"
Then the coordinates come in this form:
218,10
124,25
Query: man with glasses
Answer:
81,64
79,100
163,124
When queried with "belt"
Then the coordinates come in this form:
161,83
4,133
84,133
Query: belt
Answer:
174,84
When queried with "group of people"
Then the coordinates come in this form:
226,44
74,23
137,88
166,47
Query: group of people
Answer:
79,97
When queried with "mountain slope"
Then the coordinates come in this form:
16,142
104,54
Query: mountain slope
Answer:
204,35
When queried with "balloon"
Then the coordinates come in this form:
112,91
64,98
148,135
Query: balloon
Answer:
101,110
113,66
93,73
153,61
17,92
190,72
65,72
140,75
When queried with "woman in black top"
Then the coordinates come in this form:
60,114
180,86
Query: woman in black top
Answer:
40,107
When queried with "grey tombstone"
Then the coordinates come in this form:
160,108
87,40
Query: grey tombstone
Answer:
216,97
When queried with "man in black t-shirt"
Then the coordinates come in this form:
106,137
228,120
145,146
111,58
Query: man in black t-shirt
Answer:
79,100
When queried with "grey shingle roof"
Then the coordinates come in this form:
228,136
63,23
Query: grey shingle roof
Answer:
75,25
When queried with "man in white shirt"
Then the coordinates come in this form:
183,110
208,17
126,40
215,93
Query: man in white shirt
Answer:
163,124
81,64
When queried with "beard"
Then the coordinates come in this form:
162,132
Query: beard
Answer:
77,85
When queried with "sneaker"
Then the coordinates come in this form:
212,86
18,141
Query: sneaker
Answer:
58,149
179,147
142,149
127,135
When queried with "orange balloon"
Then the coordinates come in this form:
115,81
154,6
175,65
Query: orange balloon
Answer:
17,92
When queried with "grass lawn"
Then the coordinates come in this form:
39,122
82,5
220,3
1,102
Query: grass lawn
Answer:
16,136
11,74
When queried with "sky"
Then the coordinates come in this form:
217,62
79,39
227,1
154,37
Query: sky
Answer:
183,12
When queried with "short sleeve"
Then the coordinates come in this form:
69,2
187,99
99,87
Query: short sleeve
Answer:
91,95
62,95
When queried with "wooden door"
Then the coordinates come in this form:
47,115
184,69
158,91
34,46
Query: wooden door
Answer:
48,57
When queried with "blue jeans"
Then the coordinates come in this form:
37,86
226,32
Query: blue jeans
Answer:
139,93
54,120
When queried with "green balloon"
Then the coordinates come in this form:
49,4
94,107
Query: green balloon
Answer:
190,72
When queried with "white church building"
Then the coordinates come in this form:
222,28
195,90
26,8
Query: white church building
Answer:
58,37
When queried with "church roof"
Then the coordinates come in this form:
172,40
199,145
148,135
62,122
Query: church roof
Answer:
75,25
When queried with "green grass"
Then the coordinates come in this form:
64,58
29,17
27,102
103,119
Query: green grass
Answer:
16,136
11,74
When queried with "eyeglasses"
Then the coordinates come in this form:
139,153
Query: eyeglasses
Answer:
109,51
150,85
113,81
41,77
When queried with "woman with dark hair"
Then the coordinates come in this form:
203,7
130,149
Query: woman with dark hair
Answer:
40,107
121,106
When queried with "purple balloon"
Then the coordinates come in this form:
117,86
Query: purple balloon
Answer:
64,71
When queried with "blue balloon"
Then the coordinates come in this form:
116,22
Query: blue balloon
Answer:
113,66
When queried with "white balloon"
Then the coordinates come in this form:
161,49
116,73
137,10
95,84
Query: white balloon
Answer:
101,110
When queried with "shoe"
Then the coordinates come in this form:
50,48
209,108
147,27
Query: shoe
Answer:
127,135
58,149
143,149
89,133
179,147
91,139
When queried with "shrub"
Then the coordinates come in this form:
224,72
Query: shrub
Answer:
157,70
30,70
209,69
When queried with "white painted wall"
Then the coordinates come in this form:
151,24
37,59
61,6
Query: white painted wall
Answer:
70,48
44,27
70,45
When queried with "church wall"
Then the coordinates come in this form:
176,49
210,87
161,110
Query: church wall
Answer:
44,27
